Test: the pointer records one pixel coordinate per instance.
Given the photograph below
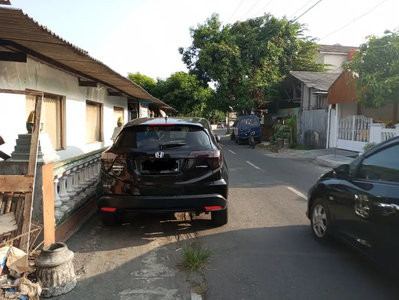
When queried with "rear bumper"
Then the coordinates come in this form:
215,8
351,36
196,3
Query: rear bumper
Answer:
161,203
243,136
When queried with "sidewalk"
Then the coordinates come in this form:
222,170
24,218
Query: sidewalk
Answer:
325,157
332,160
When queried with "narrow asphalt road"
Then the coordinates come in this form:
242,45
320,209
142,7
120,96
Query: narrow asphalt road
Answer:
266,251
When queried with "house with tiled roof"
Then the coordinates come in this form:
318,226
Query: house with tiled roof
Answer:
84,104
334,56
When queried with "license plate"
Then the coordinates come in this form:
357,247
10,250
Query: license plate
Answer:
160,166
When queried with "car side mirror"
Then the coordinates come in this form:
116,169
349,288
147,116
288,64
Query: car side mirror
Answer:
217,138
342,171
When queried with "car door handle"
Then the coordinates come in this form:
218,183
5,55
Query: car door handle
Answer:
388,208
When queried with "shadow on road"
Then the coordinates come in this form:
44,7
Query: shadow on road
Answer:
262,263
139,229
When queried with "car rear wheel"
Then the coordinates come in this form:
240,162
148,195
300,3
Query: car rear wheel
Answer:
239,141
110,219
219,218
320,221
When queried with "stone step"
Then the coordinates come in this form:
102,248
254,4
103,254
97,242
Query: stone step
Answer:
46,150
24,148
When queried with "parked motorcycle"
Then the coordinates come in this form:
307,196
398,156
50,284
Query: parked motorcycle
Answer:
251,140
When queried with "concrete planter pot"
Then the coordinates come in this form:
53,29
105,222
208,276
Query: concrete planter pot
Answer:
54,268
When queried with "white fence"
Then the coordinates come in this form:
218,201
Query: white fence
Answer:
355,128
387,133
355,132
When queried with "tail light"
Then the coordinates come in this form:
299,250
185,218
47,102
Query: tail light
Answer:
114,163
213,157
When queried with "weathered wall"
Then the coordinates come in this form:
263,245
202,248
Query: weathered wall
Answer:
143,110
41,77
349,109
383,114
312,128
309,99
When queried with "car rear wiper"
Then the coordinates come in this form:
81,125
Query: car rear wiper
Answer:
171,145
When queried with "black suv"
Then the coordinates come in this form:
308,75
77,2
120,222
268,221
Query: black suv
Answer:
164,165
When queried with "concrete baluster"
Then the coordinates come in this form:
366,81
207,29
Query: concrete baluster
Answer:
63,189
76,185
57,199
70,188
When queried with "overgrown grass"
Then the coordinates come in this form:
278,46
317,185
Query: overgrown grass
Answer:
195,257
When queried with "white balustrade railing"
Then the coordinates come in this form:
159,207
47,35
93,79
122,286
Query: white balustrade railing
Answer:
75,181
379,133
388,133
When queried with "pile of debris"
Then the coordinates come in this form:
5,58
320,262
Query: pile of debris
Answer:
18,280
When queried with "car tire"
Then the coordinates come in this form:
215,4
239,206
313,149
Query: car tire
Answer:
320,221
219,218
236,140
239,141
109,219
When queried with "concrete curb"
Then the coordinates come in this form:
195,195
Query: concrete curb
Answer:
332,161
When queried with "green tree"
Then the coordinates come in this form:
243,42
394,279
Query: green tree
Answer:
186,93
375,70
247,61
144,81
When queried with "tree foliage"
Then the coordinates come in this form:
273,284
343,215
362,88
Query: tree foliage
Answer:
181,90
186,93
246,61
375,69
147,83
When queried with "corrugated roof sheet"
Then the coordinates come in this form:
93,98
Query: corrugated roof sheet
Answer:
318,80
337,48
19,28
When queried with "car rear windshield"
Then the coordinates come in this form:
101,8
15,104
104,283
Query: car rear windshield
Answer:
250,122
158,137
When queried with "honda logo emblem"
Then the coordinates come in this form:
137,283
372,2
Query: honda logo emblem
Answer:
159,154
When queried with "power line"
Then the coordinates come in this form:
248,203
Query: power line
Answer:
293,15
235,11
250,9
309,10
261,10
354,20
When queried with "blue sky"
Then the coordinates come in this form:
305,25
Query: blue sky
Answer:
144,35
